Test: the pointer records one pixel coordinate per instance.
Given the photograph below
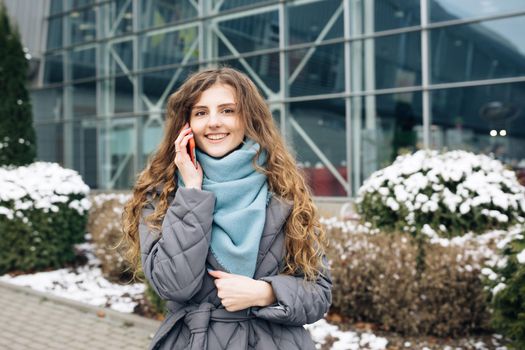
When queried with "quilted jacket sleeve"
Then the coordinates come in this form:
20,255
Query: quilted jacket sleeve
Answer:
298,302
174,261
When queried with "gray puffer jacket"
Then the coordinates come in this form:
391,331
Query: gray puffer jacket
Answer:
175,264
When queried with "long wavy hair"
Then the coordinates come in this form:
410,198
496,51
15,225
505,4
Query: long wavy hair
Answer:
304,236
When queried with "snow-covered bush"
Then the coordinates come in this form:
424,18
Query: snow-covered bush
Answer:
505,281
375,279
43,213
453,193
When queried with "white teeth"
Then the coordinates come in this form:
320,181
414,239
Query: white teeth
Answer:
217,137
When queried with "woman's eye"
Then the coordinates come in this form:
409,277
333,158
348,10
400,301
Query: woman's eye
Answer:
198,113
229,110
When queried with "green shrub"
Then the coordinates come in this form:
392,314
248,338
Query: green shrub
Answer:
453,193
506,283
43,213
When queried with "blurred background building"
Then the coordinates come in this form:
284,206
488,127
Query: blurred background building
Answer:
352,83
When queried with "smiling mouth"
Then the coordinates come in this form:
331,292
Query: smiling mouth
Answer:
216,137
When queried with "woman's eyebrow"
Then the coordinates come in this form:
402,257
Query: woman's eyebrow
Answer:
221,105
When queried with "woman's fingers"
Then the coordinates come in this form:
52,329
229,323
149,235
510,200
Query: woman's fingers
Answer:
185,130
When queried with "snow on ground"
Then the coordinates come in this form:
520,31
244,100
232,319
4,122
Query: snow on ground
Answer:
85,284
321,329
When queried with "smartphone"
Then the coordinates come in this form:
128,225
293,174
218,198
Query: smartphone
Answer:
191,152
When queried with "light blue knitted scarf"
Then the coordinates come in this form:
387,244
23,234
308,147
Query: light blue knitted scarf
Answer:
240,208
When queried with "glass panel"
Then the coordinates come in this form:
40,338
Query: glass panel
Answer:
481,119
80,3
85,145
82,63
265,68
122,152
320,125
120,57
47,104
153,132
317,20
56,7
170,48
121,16
249,33
156,13
54,35
392,14
54,68
83,25
123,94
385,126
84,99
316,70
396,62
276,114
484,50
231,4
161,84
444,10
50,139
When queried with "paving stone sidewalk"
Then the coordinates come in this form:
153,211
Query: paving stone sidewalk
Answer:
34,320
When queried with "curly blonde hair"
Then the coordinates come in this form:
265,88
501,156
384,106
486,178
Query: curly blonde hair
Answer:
304,236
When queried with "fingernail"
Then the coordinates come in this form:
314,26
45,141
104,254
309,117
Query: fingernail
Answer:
209,270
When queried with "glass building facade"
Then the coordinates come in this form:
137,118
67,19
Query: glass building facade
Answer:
351,83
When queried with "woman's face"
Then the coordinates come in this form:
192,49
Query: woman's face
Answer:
215,122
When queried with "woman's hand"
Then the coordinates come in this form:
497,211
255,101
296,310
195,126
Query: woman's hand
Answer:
239,292
191,176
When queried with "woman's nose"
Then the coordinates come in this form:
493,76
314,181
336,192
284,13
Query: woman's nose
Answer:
215,119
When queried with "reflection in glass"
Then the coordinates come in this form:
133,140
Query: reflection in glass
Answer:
484,50
317,130
156,13
84,99
444,10
386,62
385,126
82,63
463,118
316,70
53,68
315,20
249,33
121,16
170,48
83,25
393,14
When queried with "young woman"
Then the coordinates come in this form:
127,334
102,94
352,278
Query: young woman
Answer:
233,241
